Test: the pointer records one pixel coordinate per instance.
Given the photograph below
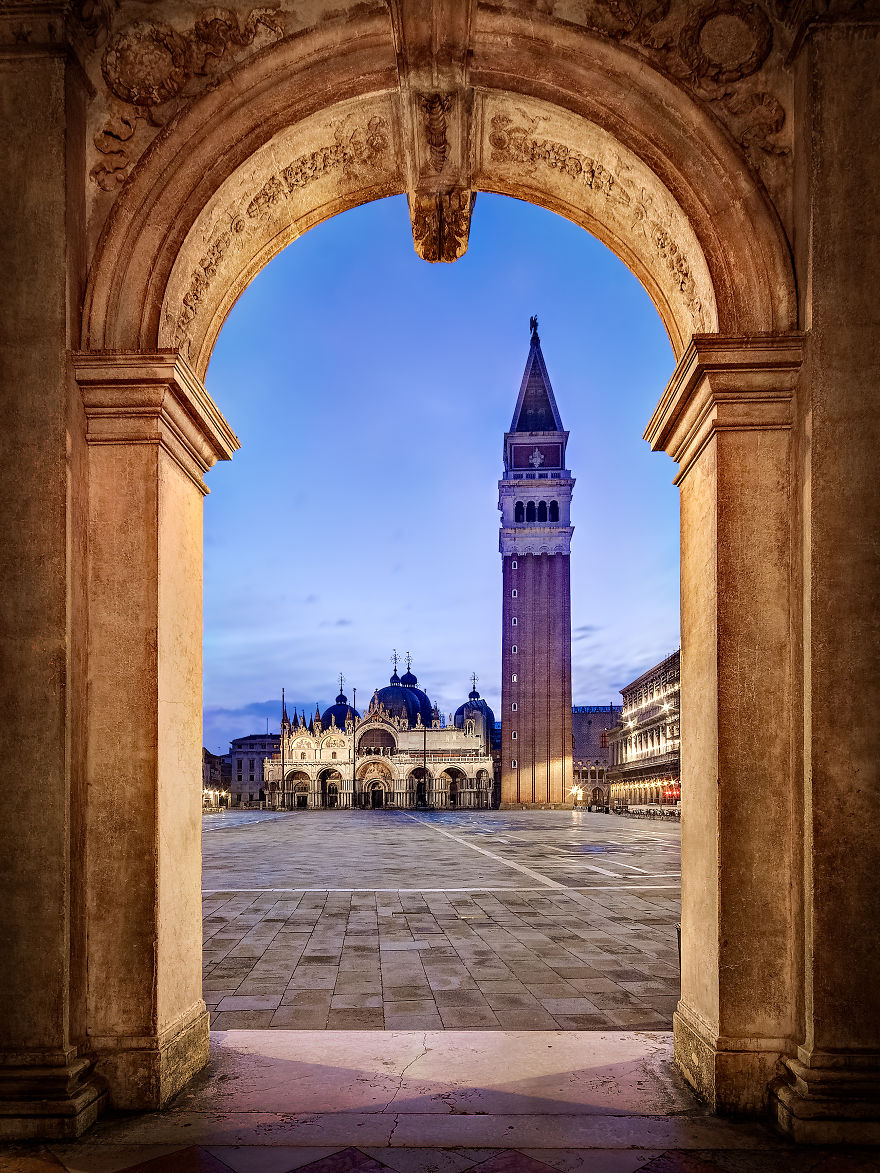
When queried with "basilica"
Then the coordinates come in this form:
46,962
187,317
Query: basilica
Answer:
401,753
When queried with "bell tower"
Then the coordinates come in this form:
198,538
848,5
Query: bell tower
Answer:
534,497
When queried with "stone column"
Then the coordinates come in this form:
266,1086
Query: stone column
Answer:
726,418
152,431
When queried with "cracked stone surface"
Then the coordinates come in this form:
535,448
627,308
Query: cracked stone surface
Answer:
434,1102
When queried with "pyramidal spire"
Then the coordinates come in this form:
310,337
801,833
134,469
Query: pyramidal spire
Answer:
536,409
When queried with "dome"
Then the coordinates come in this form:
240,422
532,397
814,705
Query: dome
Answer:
341,711
409,679
474,707
404,700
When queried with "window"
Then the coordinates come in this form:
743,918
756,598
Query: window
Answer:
513,678
513,707
603,740
513,736
513,565
302,757
513,621
514,649
513,764
513,593
530,511
542,511
519,513
252,763
554,511
333,756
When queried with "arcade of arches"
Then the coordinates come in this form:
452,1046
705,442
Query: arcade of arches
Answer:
156,159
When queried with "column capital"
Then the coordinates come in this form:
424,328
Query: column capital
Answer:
153,399
725,383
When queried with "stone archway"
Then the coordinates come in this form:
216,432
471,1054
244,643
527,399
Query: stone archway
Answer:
652,144
297,785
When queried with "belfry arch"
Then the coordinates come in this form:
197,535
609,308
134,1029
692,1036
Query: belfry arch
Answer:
652,155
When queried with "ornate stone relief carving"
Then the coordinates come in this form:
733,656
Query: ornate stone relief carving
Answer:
435,108
150,67
719,50
441,224
644,216
231,229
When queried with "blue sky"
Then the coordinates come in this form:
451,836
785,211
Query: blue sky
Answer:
371,392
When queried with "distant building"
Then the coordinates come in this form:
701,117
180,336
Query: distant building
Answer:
401,753
646,745
591,727
213,787
245,763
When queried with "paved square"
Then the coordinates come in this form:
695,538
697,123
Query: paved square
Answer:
504,920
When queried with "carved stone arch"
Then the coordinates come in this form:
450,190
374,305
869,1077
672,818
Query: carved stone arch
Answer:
376,768
610,144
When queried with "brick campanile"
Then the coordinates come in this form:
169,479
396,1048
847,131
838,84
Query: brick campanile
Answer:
534,497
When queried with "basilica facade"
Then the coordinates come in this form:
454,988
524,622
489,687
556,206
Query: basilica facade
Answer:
400,753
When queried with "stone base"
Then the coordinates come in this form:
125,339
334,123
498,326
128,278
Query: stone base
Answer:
146,1072
834,1104
54,1097
730,1075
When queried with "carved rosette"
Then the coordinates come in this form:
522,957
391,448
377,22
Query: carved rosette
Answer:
728,53
151,67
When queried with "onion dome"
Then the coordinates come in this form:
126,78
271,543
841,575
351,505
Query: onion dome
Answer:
409,679
474,707
340,712
403,700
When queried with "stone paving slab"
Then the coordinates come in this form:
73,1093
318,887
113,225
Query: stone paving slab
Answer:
442,1102
516,926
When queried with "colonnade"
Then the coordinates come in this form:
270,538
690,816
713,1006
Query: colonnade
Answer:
328,789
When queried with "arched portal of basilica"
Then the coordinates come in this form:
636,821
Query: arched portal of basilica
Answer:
156,158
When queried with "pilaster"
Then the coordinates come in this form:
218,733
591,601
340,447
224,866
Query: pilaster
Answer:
829,1090
47,1087
152,432
726,418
